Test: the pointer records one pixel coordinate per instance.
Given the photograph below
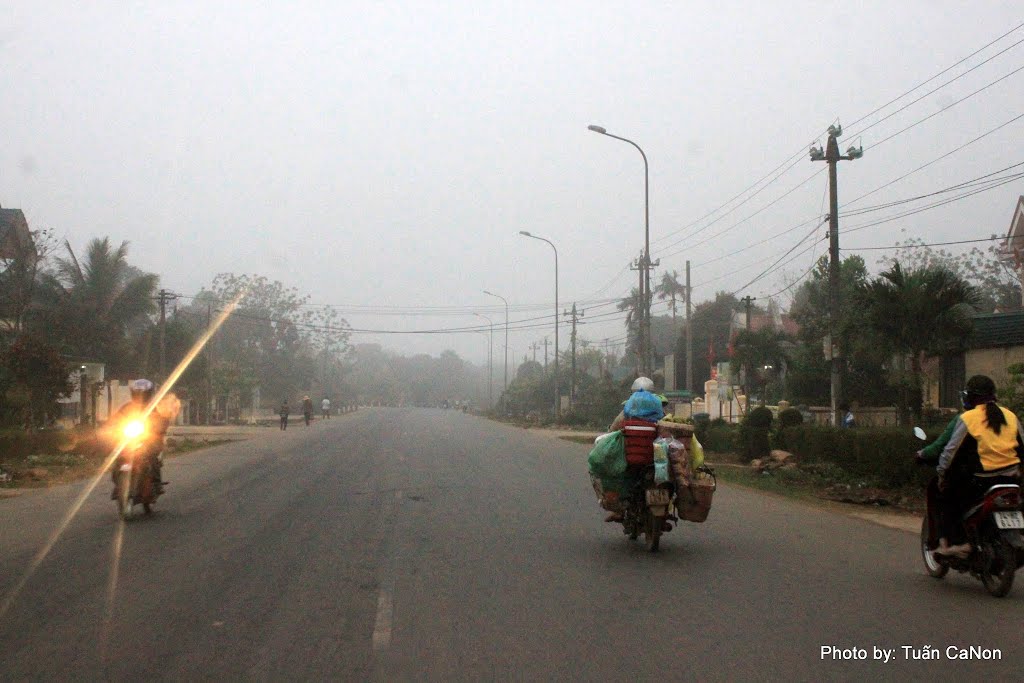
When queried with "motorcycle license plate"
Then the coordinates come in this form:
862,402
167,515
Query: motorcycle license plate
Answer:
1009,520
126,467
658,497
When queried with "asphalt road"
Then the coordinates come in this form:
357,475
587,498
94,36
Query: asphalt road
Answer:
395,544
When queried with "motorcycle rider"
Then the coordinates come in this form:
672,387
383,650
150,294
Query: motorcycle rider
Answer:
984,450
142,391
642,407
641,410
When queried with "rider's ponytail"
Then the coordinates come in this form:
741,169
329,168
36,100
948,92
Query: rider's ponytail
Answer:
994,417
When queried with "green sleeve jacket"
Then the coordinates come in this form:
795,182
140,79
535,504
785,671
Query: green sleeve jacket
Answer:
933,450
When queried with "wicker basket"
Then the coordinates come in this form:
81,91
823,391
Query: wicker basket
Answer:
694,501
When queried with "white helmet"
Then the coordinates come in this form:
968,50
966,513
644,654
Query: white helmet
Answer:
643,384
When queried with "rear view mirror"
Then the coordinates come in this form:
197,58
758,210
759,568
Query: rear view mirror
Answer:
919,433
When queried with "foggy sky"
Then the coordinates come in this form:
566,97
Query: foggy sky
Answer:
387,154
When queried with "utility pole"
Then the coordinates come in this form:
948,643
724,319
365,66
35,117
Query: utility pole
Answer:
163,296
533,347
209,368
574,316
689,333
545,354
748,302
638,313
648,301
832,156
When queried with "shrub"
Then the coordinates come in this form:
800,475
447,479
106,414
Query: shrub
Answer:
720,438
883,455
701,424
753,434
790,417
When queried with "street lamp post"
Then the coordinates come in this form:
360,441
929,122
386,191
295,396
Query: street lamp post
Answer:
558,395
490,362
498,296
646,344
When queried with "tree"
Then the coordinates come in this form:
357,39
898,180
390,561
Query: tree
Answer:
916,313
19,280
287,345
994,276
93,306
32,377
807,376
712,326
670,288
633,305
759,350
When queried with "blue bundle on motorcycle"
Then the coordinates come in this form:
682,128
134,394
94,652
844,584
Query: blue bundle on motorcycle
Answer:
607,460
643,405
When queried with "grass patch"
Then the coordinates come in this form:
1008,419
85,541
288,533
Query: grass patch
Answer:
188,445
577,439
821,481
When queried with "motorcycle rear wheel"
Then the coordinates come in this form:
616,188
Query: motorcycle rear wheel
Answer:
652,532
999,583
932,565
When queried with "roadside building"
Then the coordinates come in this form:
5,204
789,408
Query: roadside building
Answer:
997,343
1013,245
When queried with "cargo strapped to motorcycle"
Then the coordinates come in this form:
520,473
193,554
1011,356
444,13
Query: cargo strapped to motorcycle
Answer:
694,501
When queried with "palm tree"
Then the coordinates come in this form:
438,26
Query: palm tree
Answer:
633,305
918,312
671,288
93,304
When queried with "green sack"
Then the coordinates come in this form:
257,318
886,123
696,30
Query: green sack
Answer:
608,457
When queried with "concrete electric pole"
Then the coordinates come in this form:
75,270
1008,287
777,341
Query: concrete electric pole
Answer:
832,156
574,315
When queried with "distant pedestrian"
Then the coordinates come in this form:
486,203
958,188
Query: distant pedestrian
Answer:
307,409
849,421
325,407
283,412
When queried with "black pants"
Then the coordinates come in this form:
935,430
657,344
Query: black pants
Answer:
284,422
962,491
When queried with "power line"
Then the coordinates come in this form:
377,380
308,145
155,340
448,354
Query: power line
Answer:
946,70
980,180
935,90
947,108
744,220
905,214
934,161
795,157
773,267
792,161
930,244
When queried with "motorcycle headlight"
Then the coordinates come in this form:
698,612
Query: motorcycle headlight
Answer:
134,429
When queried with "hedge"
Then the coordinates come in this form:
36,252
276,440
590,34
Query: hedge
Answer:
19,444
885,455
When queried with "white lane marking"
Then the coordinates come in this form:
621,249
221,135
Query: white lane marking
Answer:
385,601
382,628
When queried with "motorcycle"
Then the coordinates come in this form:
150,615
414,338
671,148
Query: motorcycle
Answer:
994,527
133,475
649,510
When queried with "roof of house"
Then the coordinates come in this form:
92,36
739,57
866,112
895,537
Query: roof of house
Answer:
14,233
998,329
1013,245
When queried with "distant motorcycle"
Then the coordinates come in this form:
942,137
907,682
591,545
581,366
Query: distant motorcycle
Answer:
133,476
993,527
